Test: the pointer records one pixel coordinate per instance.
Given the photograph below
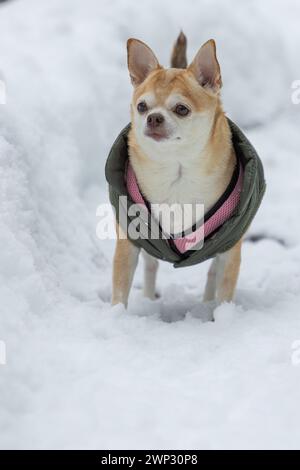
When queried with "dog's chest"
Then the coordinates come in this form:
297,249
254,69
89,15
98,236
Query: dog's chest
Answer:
179,196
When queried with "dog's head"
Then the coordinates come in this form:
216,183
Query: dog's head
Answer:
173,109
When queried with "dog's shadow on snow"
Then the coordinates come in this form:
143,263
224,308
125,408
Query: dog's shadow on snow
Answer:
176,303
172,306
175,312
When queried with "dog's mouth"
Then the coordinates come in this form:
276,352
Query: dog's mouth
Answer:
157,136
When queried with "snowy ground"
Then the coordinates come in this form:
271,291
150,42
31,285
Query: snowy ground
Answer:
80,374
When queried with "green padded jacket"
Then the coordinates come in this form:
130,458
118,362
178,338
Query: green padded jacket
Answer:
226,236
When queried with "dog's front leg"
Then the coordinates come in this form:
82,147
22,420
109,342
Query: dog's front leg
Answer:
124,265
150,271
228,272
223,275
211,283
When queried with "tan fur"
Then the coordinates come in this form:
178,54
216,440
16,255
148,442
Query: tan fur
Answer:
125,261
193,165
223,275
164,82
229,277
178,59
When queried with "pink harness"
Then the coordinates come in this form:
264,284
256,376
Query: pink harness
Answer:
211,224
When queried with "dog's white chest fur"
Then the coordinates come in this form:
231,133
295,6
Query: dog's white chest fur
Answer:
183,191
179,199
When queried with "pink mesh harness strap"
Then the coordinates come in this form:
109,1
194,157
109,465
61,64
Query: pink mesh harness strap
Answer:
211,224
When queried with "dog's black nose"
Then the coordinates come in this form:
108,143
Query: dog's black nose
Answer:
155,120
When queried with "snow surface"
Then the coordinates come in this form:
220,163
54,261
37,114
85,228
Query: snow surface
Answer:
79,373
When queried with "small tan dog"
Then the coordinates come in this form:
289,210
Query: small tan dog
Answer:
181,152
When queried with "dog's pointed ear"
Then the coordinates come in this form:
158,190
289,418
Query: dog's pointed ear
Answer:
206,68
141,61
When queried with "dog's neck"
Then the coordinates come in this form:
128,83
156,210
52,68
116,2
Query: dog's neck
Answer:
200,178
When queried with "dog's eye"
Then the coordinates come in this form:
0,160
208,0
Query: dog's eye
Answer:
181,110
142,107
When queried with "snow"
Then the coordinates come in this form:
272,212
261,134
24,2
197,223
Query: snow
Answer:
78,373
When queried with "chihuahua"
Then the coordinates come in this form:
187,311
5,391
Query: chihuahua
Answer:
181,152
